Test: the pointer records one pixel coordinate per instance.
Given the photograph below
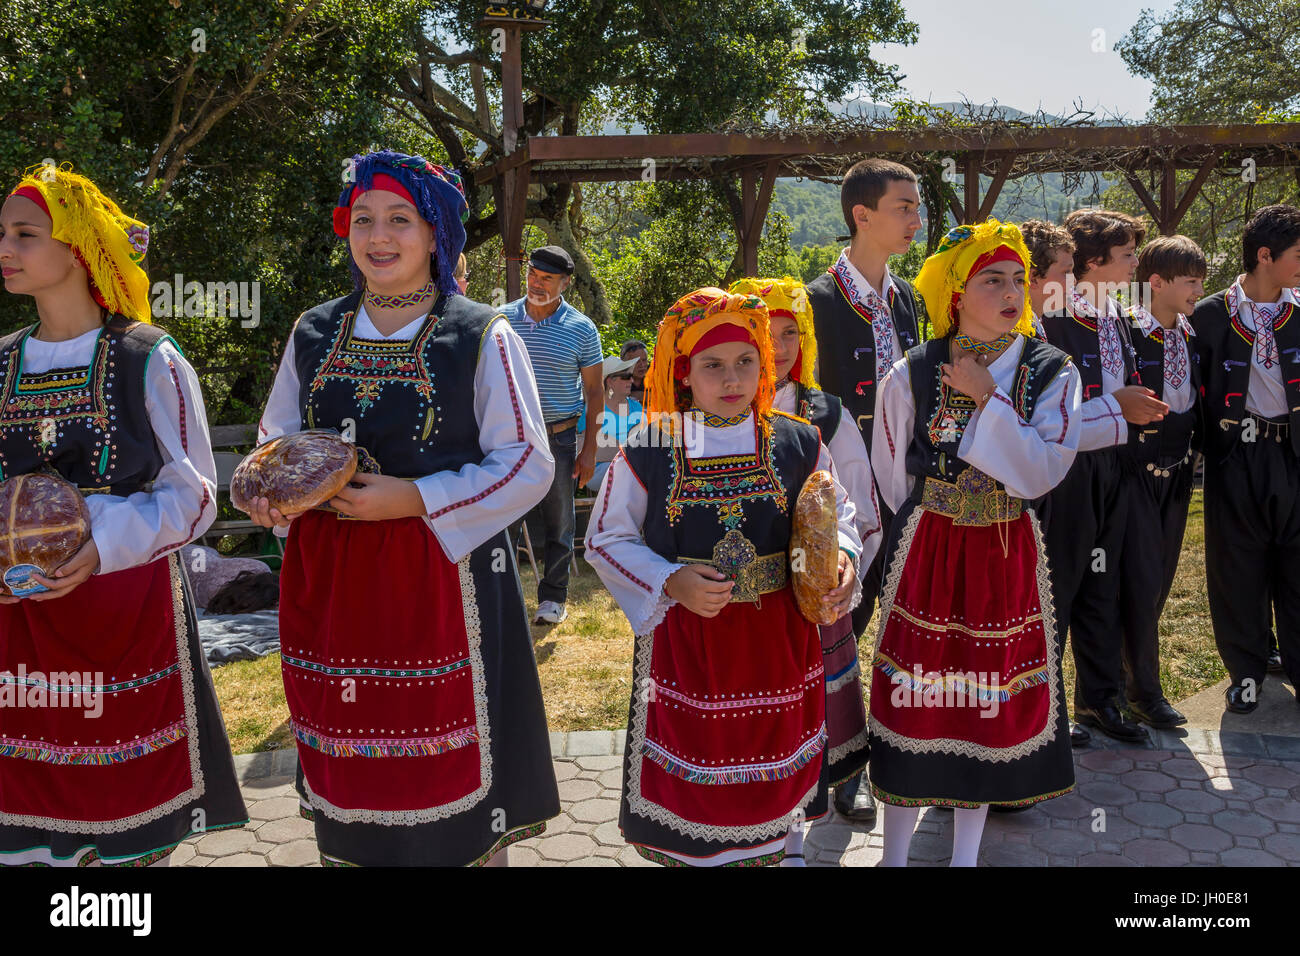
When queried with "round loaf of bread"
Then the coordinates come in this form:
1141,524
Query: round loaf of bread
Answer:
815,547
43,522
295,472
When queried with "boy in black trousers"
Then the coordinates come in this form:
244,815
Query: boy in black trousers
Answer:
1089,509
1248,337
865,319
1158,463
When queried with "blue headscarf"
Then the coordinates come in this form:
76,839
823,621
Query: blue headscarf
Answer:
437,194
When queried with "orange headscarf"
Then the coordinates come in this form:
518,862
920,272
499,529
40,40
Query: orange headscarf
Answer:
684,325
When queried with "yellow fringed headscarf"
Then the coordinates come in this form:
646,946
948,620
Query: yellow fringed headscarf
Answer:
690,318
787,297
108,242
944,274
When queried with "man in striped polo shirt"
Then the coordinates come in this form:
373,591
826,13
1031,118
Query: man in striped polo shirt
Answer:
564,348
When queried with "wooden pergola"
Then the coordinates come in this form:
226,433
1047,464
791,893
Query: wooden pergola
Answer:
998,150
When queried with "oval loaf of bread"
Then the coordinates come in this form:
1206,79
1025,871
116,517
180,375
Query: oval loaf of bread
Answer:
815,546
294,472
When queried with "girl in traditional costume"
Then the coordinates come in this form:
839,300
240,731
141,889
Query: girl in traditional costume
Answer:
726,730
967,696
794,353
112,748
408,669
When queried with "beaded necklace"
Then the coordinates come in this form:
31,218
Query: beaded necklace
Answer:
399,301
718,421
964,341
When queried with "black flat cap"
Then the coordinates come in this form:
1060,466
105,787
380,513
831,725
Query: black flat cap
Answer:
552,259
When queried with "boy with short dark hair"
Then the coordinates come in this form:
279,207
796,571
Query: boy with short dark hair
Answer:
865,319
1249,341
1051,252
1171,271
1085,550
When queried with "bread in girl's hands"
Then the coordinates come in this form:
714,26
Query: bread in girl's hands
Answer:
43,522
815,547
294,472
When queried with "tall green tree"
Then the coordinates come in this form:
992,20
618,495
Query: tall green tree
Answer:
1221,61
669,66
223,125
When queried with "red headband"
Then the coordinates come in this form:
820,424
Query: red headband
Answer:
380,182
725,332
34,194
1000,254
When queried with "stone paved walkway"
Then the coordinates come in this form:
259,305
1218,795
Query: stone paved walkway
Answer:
1183,801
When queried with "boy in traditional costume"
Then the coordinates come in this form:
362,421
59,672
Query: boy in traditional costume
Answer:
1248,338
794,352
726,730
132,757
1158,459
865,319
408,667
967,697
1086,550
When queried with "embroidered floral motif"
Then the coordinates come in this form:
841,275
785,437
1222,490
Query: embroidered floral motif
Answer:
725,483
371,364
60,395
871,307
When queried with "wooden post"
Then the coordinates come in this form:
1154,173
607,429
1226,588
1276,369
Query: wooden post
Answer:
512,120
970,208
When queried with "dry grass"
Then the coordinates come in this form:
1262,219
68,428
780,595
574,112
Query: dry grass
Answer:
585,664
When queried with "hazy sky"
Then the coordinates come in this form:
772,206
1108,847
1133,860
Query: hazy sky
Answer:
1024,53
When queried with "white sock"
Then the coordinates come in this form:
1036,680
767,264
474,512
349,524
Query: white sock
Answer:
967,829
899,824
794,844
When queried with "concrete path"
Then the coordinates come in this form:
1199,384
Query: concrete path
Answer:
1199,797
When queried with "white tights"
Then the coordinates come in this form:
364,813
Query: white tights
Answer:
967,829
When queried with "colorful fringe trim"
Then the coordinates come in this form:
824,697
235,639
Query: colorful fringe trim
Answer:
896,801
394,747
745,773
90,756
959,682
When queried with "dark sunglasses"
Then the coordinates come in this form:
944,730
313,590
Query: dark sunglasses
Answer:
625,376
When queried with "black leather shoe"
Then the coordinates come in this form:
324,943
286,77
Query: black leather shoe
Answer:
1160,715
1274,662
1079,736
1111,722
854,801
1236,698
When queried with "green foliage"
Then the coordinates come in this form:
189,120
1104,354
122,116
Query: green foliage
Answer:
247,201
1214,61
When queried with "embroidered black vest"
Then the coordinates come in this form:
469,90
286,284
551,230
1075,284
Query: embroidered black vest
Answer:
88,424
942,413
1170,439
1077,335
846,344
411,401
1225,347
819,408
694,504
